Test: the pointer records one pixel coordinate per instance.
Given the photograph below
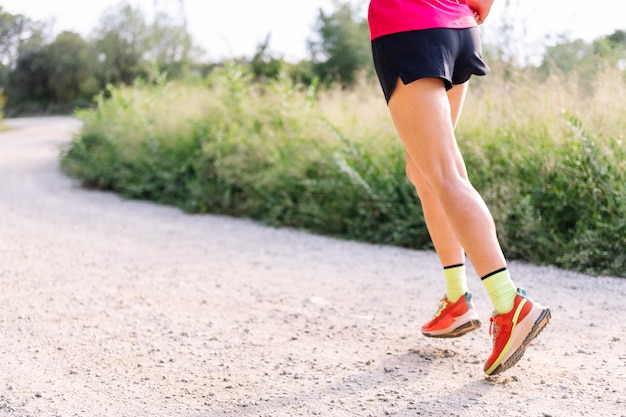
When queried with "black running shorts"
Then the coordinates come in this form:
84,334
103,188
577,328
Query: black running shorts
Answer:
453,55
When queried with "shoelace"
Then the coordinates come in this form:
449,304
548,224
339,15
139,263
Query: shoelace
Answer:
442,306
493,328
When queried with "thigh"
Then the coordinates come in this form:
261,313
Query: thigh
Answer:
421,112
456,98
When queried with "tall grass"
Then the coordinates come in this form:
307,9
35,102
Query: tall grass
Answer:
550,160
547,156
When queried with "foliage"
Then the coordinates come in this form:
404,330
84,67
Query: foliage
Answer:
583,59
341,50
3,102
260,151
329,162
128,46
263,64
13,31
556,191
258,139
59,72
21,41
72,66
29,81
68,72
39,74
170,46
121,43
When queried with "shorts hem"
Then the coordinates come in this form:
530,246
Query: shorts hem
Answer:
452,55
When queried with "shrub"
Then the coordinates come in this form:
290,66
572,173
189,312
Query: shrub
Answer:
3,102
330,162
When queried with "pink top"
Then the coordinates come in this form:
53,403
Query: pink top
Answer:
392,16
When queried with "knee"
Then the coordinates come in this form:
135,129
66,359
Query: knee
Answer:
448,185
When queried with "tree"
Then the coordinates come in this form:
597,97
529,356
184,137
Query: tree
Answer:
121,42
72,67
565,56
56,75
342,46
568,56
15,30
37,75
129,47
12,28
28,80
264,65
612,48
170,46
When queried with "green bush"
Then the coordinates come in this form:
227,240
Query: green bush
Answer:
331,163
3,102
556,202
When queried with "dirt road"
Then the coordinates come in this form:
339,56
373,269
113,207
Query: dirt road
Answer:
111,307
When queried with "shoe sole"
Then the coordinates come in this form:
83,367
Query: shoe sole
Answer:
459,331
538,326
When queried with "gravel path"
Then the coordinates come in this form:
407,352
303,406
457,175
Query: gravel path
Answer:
110,307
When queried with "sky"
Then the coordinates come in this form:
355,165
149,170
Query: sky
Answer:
234,28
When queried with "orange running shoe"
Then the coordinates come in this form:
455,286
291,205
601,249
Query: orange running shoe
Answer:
453,319
513,332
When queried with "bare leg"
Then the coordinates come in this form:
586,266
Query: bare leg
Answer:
425,116
444,239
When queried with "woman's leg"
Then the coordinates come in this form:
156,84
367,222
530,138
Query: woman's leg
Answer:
442,234
425,116
446,244
422,114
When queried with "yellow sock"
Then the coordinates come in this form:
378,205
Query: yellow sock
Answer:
456,282
501,290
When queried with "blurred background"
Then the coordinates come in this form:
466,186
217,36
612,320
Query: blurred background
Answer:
271,110
56,55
